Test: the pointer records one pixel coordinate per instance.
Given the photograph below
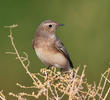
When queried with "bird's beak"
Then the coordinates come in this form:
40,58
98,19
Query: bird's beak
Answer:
60,24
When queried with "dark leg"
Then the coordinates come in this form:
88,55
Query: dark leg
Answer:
61,69
49,66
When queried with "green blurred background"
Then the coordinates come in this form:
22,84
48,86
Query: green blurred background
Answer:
86,35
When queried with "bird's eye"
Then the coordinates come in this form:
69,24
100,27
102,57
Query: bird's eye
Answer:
50,25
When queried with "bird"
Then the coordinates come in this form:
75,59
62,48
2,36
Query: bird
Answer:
49,48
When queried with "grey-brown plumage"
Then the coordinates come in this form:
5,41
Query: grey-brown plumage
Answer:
49,48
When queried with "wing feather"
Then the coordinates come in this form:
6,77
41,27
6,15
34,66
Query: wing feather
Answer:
59,45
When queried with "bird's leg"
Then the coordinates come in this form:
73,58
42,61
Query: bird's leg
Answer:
61,69
48,67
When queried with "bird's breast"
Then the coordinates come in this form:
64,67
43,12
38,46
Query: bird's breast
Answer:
51,57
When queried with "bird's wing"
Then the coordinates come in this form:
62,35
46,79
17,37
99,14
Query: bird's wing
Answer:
60,47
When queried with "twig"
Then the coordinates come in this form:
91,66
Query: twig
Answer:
2,97
17,53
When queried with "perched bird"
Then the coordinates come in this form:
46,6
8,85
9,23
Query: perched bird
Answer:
49,48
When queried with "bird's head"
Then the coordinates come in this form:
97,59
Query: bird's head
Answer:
49,26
